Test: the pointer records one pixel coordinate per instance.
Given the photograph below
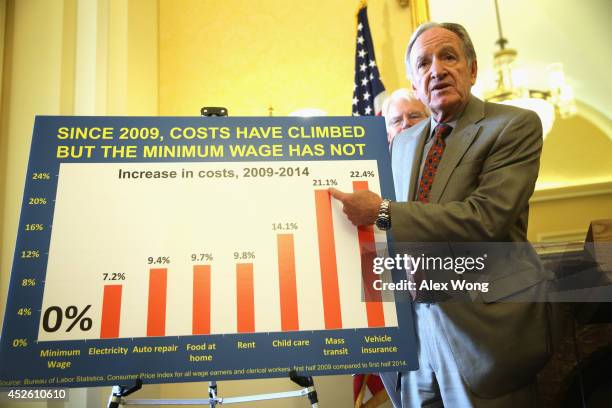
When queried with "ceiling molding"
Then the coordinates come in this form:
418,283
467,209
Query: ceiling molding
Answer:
575,191
595,117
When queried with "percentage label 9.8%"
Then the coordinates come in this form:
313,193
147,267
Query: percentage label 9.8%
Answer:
244,255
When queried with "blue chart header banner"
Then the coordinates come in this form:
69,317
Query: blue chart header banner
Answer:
192,249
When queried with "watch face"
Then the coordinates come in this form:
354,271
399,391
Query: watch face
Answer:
383,223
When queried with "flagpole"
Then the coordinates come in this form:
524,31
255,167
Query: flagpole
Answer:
361,395
362,4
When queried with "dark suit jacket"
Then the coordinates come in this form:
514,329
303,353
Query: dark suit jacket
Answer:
480,194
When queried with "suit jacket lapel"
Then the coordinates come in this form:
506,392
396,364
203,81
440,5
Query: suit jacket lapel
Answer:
457,144
406,159
416,161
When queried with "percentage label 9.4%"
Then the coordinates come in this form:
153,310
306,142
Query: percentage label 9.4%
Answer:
160,260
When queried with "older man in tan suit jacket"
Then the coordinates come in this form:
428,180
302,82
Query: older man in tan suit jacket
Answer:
464,175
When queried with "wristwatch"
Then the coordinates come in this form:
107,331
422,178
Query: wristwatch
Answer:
383,221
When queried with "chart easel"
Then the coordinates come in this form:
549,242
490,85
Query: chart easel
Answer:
119,394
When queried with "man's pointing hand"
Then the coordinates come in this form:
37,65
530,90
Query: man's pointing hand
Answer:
361,207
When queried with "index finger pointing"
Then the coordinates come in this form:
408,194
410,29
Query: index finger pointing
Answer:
337,194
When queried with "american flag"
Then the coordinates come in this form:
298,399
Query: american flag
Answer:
369,91
368,391
368,96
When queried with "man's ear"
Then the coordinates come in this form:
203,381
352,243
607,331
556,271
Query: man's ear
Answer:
474,72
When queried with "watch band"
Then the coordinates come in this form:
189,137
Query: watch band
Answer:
383,221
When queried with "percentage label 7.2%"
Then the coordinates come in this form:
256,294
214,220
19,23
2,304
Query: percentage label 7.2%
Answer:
115,276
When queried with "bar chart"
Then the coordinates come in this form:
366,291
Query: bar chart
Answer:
179,249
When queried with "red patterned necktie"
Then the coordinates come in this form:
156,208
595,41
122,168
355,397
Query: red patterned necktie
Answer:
432,161
429,172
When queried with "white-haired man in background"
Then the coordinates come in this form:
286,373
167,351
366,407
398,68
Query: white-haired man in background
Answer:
402,110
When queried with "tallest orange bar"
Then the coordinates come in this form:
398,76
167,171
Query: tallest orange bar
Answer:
327,260
367,249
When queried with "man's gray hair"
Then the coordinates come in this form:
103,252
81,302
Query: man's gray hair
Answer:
399,94
458,29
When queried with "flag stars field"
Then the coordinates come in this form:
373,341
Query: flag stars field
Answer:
368,91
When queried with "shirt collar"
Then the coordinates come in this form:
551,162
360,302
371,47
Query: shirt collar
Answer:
434,123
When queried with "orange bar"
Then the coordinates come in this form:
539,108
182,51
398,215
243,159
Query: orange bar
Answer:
245,297
327,261
367,248
201,299
287,283
156,316
111,312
